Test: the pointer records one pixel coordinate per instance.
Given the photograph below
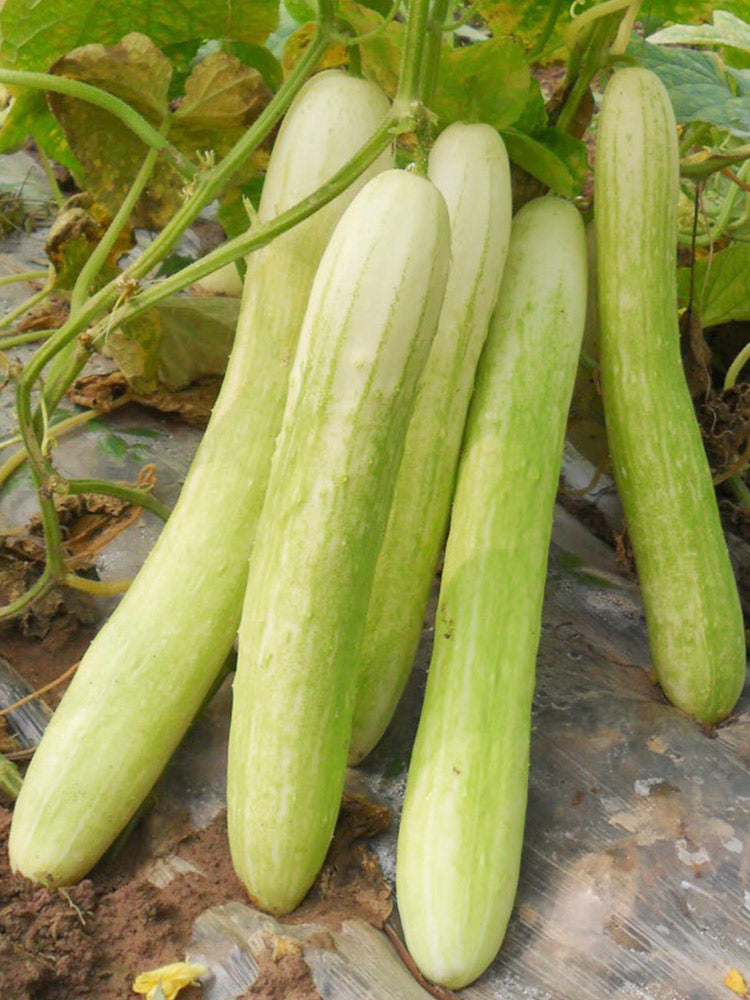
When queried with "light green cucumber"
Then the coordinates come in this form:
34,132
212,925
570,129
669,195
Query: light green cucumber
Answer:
693,612
459,845
371,316
469,166
149,669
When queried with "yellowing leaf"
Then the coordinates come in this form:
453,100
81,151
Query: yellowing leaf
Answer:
736,983
334,57
171,978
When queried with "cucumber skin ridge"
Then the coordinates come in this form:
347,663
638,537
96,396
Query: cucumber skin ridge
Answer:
469,165
693,613
461,833
372,313
147,672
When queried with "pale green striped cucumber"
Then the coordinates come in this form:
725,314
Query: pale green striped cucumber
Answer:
372,314
690,597
469,166
459,845
149,669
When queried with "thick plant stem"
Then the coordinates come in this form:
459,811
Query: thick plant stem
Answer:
102,99
433,45
411,67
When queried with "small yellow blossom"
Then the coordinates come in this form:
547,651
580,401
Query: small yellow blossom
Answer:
736,983
173,978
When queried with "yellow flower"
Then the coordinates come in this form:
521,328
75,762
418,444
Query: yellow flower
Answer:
736,983
172,978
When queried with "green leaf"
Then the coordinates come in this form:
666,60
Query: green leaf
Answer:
381,55
30,116
34,35
300,10
725,30
697,86
487,82
722,285
232,214
113,445
175,343
525,21
553,157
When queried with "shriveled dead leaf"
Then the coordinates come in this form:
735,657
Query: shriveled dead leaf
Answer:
222,98
75,233
109,153
50,315
192,405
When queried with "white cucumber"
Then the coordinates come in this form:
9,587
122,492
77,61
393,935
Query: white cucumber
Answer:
461,831
371,316
693,612
469,166
149,669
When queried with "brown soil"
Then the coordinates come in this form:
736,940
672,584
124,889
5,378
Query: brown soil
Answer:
93,939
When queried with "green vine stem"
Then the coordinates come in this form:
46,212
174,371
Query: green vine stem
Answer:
556,8
55,431
32,301
738,486
433,46
369,35
703,163
470,12
103,588
128,494
10,778
102,99
230,251
68,362
736,367
723,219
31,337
407,94
261,234
98,258
13,279
36,592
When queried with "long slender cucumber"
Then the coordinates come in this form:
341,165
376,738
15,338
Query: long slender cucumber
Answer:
693,613
459,845
469,166
371,316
